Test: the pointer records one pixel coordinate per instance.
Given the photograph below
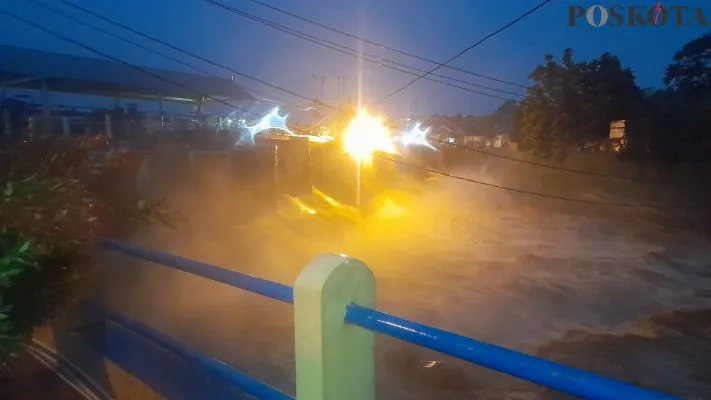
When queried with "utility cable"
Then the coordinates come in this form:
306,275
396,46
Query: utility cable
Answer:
106,32
569,170
176,48
120,61
381,45
356,53
40,4
538,164
548,196
98,52
503,28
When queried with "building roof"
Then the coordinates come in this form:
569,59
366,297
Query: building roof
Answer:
28,69
446,128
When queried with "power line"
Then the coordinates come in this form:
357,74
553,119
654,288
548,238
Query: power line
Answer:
143,47
503,28
355,53
118,60
199,57
382,45
537,194
553,167
93,50
351,51
134,43
164,43
104,31
102,54
569,170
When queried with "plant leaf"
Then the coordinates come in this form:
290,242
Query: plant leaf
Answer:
25,246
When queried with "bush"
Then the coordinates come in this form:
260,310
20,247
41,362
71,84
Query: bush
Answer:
58,196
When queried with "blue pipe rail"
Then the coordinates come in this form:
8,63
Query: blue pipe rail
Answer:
533,369
212,365
537,370
263,287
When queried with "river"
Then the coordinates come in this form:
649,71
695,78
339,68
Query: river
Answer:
617,292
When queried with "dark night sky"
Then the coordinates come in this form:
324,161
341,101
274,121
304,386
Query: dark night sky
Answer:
433,29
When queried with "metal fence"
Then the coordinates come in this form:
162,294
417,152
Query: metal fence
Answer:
110,123
335,321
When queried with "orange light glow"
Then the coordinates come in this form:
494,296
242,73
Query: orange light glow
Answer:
366,134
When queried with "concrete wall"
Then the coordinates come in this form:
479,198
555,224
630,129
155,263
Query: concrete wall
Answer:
112,379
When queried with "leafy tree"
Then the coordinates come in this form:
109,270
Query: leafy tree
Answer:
573,103
546,118
58,196
683,110
691,69
504,118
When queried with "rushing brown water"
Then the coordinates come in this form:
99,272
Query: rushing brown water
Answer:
613,291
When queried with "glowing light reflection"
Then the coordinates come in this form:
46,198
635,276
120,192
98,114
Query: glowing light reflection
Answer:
270,121
366,134
302,206
416,136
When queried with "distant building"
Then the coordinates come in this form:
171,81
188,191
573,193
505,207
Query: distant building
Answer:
45,72
618,135
442,134
445,131
475,135
501,140
474,141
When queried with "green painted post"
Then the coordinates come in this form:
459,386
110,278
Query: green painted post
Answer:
334,360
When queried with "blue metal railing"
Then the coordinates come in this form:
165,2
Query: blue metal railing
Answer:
273,290
537,370
533,369
212,365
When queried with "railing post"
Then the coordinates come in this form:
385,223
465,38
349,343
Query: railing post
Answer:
150,124
32,126
334,360
66,127
7,126
107,126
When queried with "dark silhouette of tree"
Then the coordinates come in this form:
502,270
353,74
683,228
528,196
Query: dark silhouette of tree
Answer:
504,118
683,110
691,70
573,103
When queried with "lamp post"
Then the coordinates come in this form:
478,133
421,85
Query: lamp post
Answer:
359,182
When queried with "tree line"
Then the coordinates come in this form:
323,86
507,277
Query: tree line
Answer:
572,103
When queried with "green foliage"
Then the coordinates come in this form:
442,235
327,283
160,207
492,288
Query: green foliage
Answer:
57,197
16,258
572,103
